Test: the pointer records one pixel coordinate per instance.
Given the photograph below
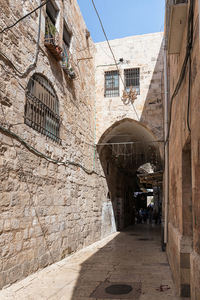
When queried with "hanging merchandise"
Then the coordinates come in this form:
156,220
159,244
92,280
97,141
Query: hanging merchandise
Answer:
133,154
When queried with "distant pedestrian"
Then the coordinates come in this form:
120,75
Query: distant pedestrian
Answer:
150,214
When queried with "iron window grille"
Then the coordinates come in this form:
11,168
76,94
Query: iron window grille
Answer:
50,23
132,79
66,36
50,31
180,2
42,107
51,39
65,56
111,84
66,45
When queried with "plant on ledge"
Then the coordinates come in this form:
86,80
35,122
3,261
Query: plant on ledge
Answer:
50,39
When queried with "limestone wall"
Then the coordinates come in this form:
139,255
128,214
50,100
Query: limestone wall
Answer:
184,210
144,52
48,210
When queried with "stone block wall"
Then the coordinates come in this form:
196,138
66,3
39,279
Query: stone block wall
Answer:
144,52
48,209
120,122
184,221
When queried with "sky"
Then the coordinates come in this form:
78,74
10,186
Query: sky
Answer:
123,18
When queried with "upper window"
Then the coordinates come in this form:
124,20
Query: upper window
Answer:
42,107
132,79
51,40
66,45
112,84
66,36
51,12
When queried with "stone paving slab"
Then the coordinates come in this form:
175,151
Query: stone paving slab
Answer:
119,258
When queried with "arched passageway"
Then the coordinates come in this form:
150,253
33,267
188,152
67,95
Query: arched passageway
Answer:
131,158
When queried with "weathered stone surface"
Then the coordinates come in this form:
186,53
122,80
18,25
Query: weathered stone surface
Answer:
184,175
146,53
47,210
82,274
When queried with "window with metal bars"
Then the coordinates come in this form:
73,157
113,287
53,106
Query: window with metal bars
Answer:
111,84
132,79
50,38
180,1
66,45
66,35
42,107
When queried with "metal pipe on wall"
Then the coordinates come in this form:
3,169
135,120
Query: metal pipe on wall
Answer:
166,126
166,182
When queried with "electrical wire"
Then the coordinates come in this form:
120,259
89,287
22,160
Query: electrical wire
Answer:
189,96
109,65
184,66
25,89
22,18
42,155
30,194
23,142
190,40
116,64
128,143
33,65
104,51
106,38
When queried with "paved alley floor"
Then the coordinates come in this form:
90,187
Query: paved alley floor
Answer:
131,262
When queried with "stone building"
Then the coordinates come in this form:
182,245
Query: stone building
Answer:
129,134
183,61
57,104
51,196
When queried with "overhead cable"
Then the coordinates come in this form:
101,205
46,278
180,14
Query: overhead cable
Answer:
116,64
31,195
183,69
106,38
22,18
33,65
42,155
127,143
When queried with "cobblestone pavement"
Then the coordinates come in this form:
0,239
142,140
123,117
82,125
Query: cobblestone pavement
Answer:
132,257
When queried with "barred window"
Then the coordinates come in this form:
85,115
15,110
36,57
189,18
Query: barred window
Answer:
52,12
51,34
66,45
66,35
132,79
42,107
111,84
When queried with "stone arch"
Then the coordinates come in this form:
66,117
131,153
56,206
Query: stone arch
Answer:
117,123
123,148
131,126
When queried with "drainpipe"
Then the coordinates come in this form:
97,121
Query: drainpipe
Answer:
166,183
166,128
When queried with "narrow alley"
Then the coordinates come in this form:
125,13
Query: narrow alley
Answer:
131,260
99,150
